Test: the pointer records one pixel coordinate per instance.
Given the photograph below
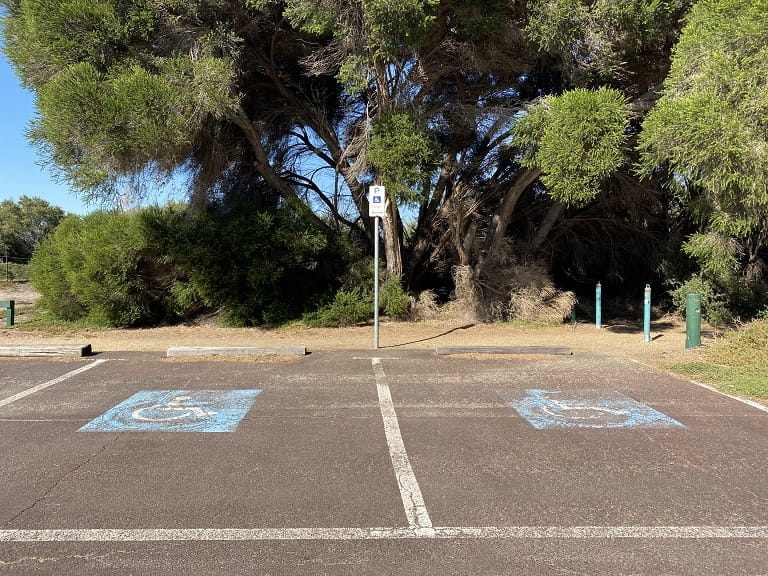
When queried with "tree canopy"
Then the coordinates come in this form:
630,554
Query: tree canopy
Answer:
496,125
710,132
26,223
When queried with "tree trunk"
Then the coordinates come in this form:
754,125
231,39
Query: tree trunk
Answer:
555,211
267,171
392,241
503,215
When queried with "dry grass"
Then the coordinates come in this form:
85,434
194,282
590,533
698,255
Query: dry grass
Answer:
509,292
425,306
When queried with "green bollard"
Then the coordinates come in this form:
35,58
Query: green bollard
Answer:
9,306
692,321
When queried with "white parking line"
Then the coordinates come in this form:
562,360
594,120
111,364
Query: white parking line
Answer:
436,533
410,493
50,383
742,400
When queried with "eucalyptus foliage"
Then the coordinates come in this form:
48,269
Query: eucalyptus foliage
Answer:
314,100
25,223
576,139
710,132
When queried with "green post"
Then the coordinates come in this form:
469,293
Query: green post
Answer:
692,321
9,306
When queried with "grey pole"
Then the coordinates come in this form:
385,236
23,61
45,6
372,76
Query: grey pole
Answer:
376,284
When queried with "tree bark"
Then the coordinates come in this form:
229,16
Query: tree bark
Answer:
503,215
265,168
555,211
392,243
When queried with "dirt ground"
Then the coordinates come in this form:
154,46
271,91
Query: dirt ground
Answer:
620,339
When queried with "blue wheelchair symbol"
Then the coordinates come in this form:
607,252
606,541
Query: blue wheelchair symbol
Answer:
177,411
584,409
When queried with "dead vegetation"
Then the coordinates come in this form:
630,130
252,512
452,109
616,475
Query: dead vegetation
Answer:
509,292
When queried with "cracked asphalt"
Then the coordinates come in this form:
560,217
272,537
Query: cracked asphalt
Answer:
385,462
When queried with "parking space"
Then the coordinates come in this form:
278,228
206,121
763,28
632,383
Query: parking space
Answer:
20,374
480,462
376,463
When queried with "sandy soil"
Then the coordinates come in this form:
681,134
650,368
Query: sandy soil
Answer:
667,344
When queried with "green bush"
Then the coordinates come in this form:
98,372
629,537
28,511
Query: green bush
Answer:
353,302
163,264
714,306
258,266
394,301
92,268
723,304
348,308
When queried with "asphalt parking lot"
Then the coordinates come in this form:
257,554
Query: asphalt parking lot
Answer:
375,462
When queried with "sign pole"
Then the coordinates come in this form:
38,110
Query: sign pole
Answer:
377,208
376,284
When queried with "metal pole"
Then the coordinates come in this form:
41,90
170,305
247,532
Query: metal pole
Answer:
598,306
647,314
376,284
692,321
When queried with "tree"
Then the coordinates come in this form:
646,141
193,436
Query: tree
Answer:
24,224
709,132
421,95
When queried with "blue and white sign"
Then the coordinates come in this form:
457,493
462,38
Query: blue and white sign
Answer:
584,409
377,202
177,411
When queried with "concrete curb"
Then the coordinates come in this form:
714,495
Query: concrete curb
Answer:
235,351
556,350
76,350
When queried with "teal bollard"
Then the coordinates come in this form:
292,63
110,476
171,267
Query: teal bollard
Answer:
647,314
598,306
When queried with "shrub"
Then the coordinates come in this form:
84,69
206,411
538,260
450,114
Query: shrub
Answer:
353,301
714,307
89,269
259,266
103,269
394,301
348,308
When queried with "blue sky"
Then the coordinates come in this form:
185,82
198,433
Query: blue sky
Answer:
20,170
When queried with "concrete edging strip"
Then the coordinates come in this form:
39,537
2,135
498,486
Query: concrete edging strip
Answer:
556,350
76,350
235,351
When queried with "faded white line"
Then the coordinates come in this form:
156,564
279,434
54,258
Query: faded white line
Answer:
742,400
436,533
410,493
746,401
50,383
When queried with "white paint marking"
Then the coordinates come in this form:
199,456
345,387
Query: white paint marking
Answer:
436,533
174,406
50,383
742,400
746,401
413,501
